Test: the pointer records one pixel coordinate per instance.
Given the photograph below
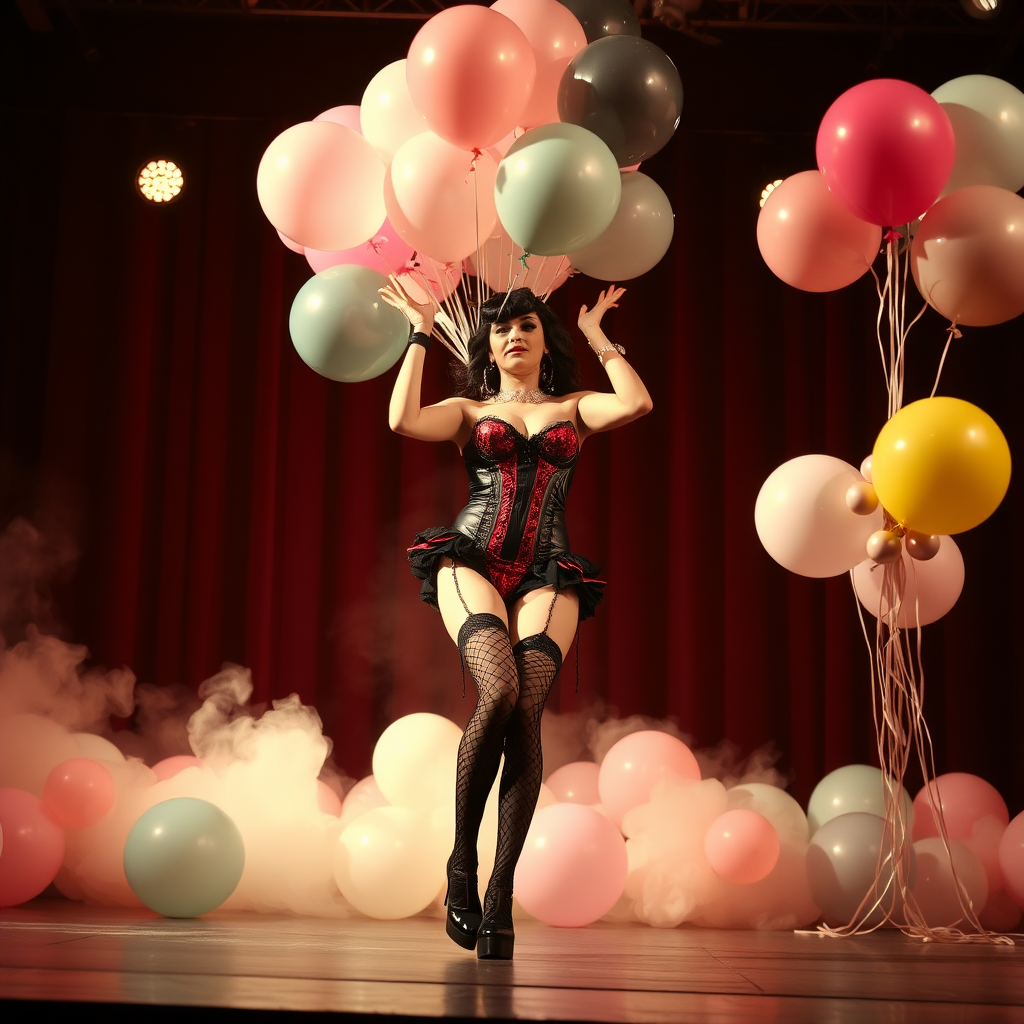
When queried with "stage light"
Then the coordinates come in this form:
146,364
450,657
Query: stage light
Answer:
981,8
160,181
768,190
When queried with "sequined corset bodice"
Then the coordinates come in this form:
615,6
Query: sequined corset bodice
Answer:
517,491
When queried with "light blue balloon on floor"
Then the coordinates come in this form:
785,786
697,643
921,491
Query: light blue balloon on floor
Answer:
343,329
184,857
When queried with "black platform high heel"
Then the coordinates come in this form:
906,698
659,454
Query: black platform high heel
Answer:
464,911
495,939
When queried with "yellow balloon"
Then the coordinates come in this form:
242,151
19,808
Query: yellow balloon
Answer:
940,466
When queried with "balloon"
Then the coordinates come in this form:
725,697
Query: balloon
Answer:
387,113
811,242
362,797
424,280
785,814
32,850
886,149
321,184
634,764
935,890
627,92
79,792
31,746
555,36
1011,859
965,800
290,243
967,256
170,766
347,115
327,800
741,846
575,783
502,263
472,72
557,189
842,860
387,253
342,328
930,589
861,497
638,236
601,18
439,198
414,761
387,865
853,788
803,521
573,867
184,857
97,748
1001,914
987,115
940,465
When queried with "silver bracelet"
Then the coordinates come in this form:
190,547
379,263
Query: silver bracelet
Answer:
600,353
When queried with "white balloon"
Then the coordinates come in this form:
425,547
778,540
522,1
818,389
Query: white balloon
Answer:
854,788
97,747
387,115
414,761
930,588
362,797
803,520
785,814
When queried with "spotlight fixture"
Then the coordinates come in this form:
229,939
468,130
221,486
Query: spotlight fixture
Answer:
768,190
981,9
160,181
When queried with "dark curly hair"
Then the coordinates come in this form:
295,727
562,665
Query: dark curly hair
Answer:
516,303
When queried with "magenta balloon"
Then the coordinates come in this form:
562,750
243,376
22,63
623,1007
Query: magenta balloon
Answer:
471,73
347,115
1011,859
33,847
387,252
575,783
321,184
742,846
886,149
809,240
79,792
170,766
967,257
965,799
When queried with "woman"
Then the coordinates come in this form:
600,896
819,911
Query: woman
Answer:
509,591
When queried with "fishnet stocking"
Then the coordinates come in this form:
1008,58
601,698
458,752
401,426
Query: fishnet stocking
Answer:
538,659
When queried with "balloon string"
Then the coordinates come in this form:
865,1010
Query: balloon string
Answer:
951,333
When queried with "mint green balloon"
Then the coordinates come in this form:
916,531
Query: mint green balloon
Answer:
557,189
343,329
184,857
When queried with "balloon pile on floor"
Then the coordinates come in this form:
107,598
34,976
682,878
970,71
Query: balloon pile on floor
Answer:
245,823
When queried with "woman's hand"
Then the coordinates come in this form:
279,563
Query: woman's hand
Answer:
419,315
590,319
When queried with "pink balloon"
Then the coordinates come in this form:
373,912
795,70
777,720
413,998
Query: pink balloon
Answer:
886,149
170,766
387,252
631,768
347,115
934,888
438,196
742,846
573,866
33,847
321,184
424,279
327,800
965,800
290,243
809,240
501,260
364,796
930,588
555,36
79,792
1011,860
575,783
471,72
967,257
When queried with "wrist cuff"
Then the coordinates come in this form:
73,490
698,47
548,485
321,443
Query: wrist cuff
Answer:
419,338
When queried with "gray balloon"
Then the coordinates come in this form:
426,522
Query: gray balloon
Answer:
604,17
627,92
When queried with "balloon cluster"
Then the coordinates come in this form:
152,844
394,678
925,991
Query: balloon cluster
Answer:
505,124
946,165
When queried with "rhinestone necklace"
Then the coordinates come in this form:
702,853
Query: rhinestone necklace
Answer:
528,396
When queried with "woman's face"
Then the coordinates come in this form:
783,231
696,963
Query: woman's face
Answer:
517,344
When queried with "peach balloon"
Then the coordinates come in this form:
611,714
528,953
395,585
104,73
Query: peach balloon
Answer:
501,262
742,846
321,184
289,243
575,783
327,800
386,252
631,768
347,114
934,888
965,800
811,242
79,792
170,766
1011,859
388,115
33,847
362,797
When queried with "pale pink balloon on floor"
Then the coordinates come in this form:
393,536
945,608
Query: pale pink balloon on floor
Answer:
79,792
1011,860
575,783
347,114
741,846
934,888
386,252
573,866
965,799
362,797
170,766
631,768
327,800
33,847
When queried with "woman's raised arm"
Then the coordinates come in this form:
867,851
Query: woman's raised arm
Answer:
629,399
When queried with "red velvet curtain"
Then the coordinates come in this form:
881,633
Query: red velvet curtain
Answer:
227,504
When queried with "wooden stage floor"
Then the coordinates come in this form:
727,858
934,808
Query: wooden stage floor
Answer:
144,967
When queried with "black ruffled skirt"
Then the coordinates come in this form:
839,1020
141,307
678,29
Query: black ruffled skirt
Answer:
563,570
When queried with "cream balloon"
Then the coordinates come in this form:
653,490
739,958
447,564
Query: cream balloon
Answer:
414,761
387,114
785,814
853,789
31,746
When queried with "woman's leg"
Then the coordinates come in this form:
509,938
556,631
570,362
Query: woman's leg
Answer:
543,624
